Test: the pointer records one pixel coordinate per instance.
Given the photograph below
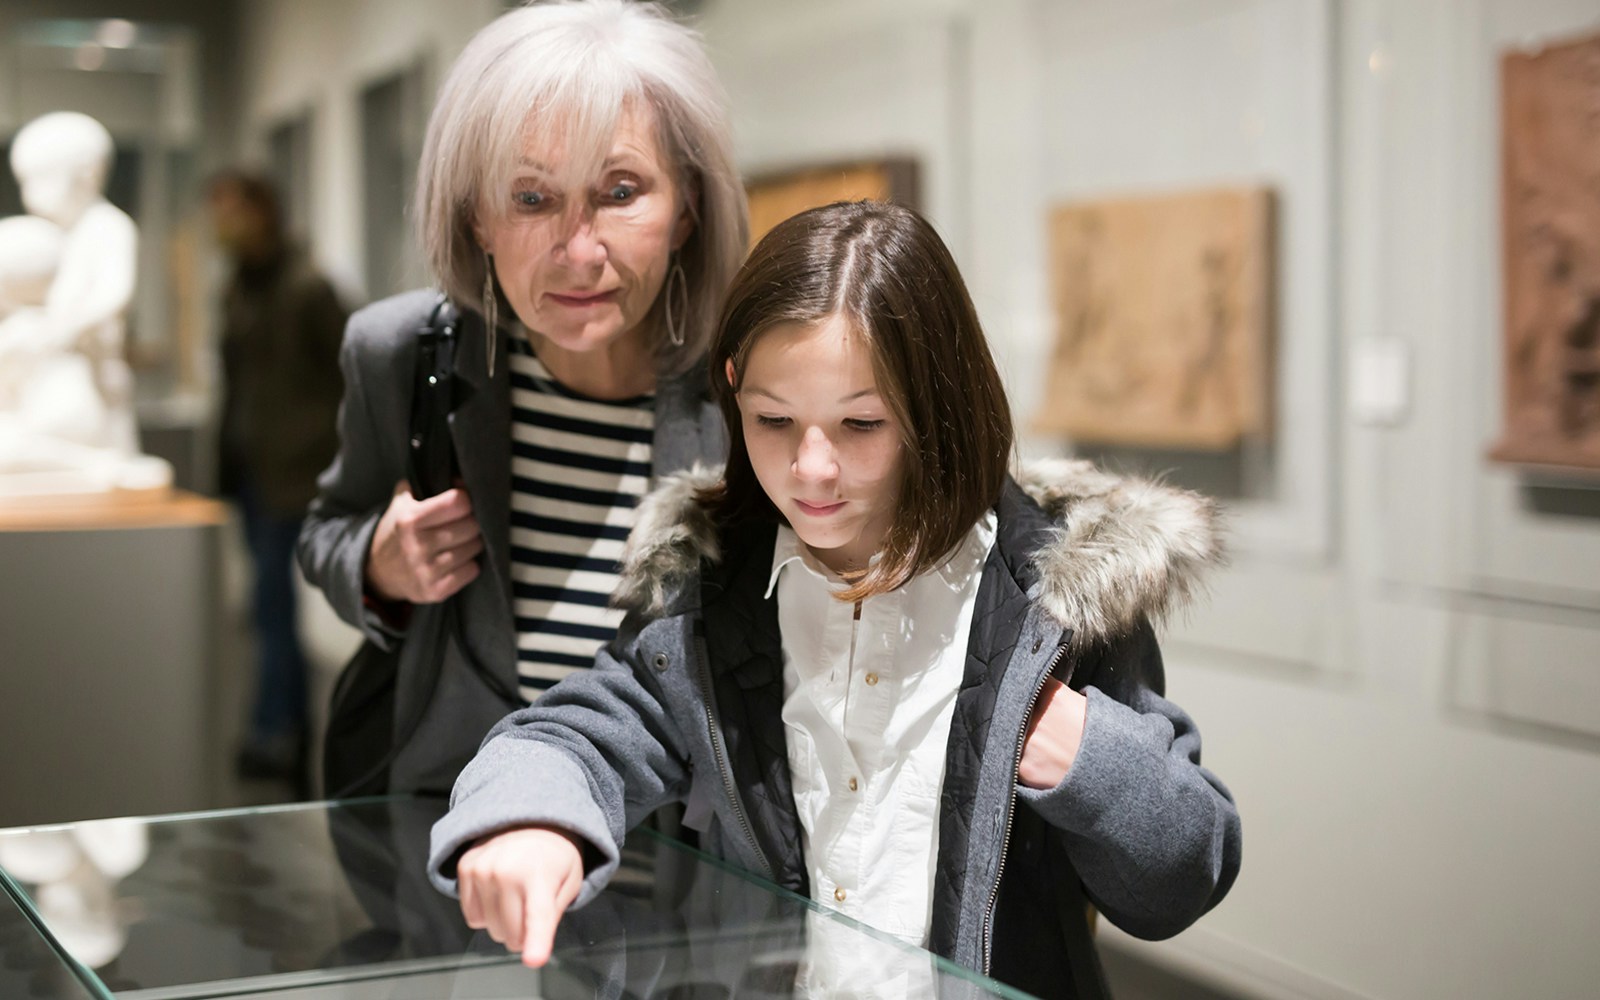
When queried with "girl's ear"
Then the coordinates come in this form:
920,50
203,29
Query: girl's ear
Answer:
729,370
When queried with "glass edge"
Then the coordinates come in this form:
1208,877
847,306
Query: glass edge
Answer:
229,812
291,984
24,903
941,964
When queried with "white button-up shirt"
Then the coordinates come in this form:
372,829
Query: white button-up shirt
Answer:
868,694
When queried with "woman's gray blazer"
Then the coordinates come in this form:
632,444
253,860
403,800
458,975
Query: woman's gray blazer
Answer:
378,360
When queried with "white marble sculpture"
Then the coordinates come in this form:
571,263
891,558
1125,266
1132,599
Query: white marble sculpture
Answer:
66,281
30,253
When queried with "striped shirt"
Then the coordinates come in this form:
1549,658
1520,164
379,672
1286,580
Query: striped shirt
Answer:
579,467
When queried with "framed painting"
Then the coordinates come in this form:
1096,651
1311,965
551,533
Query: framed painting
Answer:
1550,211
777,196
1163,308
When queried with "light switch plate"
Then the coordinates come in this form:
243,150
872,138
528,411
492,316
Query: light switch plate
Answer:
1380,381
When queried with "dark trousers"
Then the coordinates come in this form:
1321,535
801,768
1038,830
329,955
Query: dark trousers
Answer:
280,704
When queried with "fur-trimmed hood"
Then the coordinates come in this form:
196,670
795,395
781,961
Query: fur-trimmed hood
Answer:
1123,548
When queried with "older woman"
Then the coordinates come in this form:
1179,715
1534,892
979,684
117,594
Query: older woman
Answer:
579,206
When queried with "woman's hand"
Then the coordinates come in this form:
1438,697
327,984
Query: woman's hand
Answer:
423,551
517,884
1054,733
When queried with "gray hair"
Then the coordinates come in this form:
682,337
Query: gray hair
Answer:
561,74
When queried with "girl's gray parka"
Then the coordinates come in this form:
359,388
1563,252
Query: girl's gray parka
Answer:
685,705
438,685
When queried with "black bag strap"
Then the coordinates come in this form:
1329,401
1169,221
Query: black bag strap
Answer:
431,458
432,469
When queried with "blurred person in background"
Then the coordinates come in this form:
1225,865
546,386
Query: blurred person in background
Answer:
579,207
281,327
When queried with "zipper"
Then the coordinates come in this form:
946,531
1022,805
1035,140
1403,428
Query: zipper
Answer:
719,750
1016,775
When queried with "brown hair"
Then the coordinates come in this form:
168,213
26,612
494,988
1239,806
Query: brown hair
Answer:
883,269
255,190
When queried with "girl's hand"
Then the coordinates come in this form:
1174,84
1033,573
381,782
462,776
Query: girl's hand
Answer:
1054,732
517,884
423,551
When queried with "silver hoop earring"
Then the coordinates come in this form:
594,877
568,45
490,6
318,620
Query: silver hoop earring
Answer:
491,309
677,294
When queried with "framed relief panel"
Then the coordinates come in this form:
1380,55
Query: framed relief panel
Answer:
1550,207
1163,311
777,196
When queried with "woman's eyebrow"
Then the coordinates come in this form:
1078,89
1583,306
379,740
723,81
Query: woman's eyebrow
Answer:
613,161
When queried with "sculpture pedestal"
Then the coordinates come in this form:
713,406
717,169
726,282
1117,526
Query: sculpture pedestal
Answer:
108,611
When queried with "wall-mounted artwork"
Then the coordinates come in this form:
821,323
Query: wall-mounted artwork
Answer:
1550,136
1163,311
775,197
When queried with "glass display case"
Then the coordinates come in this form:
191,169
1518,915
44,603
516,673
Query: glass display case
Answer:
330,901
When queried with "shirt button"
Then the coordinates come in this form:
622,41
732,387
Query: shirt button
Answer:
872,680
839,894
853,784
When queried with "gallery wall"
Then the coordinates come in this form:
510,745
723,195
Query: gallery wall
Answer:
1397,674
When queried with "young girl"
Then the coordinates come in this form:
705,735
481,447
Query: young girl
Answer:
878,670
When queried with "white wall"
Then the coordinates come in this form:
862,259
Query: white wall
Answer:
1398,676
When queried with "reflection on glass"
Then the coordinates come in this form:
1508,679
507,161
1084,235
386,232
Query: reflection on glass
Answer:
835,965
72,875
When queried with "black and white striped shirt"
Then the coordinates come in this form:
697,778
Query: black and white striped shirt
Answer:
579,467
